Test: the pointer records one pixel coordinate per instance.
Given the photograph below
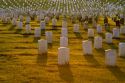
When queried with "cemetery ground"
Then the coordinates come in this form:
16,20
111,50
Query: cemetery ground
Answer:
20,62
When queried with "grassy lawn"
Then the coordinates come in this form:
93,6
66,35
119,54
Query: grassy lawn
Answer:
20,63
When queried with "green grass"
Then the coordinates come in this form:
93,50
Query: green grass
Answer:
20,63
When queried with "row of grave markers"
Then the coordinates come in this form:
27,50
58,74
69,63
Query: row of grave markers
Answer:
76,7
64,51
116,31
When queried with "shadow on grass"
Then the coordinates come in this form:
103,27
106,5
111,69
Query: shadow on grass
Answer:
102,35
85,30
36,39
123,57
108,30
18,31
65,73
101,51
55,28
58,26
117,38
43,31
5,24
91,39
78,35
113,46
7,57
92,60
123,34
27,34
42,59
4,50
122,39
50,45
120,75
12,27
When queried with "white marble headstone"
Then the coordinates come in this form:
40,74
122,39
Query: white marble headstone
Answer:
63,42
20,25
98,42
108,38
85,25
99,29
49,36
87,47
64,32
63,55
14,21
38,18
122,30
37,32
41,16
42,25
46,19
28,28
76,28
90,32
28,19
64,24
110,57
116,33
54,21
21,17
42,46
121,49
